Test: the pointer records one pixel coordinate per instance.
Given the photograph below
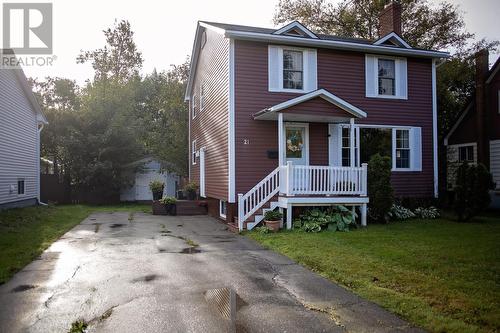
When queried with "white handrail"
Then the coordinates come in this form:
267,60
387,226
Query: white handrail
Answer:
254,199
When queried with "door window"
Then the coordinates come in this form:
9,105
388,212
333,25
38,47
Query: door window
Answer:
294,142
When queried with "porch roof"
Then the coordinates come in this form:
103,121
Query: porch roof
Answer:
338,110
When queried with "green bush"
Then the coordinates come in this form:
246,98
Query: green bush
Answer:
427,213
337,218
273,215
168,200
473,183
156,186
400,213
379,188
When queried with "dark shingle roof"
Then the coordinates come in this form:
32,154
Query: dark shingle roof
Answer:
245,28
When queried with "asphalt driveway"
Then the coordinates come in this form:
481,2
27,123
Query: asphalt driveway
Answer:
143,273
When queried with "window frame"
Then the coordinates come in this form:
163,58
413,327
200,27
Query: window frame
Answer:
399,76
193,106
223,203
23,192
378,78
193,152
275,69
202,97
395,149
283,69
467,147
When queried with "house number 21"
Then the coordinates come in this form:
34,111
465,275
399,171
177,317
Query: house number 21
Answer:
246,141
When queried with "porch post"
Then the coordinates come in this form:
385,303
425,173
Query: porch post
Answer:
351,143
363,215
280,140
289,216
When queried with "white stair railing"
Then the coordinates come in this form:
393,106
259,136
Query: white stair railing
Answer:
257,197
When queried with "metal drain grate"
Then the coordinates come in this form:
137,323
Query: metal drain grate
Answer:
224,301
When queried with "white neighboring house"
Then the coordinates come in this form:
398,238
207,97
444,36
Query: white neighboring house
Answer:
144,171
21,121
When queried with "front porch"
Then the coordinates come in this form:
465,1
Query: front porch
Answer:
295,182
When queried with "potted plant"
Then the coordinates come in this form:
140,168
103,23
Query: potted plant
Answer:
272,220
157,186
170,205
191,189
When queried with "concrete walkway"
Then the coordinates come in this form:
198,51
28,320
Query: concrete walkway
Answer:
144,273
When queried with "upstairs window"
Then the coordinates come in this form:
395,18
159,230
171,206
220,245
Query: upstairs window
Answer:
466,154
402,149
293,70
386,77
202,97
193,106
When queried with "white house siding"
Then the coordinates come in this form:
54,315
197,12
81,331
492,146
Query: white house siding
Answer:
18,141
140,191
453,163
495,162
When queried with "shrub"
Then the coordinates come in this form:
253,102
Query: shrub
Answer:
427,213
400,213
273,215
379,188
262,230
473,183
191,187
156,186
168,200
336,218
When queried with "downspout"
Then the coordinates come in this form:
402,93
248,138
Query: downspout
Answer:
40,128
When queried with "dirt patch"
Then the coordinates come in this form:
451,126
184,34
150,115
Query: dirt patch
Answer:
96,227
23,287
116,225
190,250
146,278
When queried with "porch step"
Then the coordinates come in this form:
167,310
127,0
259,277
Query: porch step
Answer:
258,216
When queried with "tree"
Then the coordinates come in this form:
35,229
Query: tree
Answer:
119,59
164,117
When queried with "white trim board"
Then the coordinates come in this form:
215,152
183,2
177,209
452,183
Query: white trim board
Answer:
395,36
295,25
435,130
231,196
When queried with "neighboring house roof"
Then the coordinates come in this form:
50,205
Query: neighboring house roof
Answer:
306,39
23,82
472,102
322,93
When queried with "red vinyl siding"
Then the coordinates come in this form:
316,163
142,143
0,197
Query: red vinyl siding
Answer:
343,74
317,107
210,127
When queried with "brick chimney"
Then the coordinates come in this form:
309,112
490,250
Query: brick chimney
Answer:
481,114
389,19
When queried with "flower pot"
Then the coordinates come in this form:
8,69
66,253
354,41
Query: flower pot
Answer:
274,226
171,209
157,195
191,195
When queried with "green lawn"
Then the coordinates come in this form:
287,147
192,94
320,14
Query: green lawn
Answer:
26,232
441,275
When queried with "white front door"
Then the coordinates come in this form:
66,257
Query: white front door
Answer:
297,150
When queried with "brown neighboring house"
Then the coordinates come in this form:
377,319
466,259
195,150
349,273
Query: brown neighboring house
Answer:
475,137
286,117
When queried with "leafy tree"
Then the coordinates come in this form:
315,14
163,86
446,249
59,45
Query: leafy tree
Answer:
119,59
380,188
472,190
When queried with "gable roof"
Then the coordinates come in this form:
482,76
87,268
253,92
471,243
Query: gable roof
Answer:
23,82
322,93
472,102
393,38
295,26
267,35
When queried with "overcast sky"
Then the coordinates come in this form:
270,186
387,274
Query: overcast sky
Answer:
164,30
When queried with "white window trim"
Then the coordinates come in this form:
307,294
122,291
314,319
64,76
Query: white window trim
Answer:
193,152
220,209
306,139
305,70
394,149
473,153
393,129
202,97
193,106
397,78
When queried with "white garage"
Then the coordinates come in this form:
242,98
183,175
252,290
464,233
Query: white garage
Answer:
141,173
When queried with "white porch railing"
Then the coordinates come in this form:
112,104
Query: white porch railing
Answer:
292,180
254,199
324,180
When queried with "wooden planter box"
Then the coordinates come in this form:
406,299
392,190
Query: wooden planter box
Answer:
159,208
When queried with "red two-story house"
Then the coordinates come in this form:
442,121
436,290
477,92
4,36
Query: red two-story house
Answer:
286,117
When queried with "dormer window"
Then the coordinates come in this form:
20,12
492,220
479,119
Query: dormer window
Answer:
386,77
293,70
